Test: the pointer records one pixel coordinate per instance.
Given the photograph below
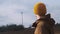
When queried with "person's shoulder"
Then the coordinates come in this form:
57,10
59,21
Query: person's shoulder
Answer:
49,17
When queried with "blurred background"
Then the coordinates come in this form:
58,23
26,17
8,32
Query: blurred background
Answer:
21,11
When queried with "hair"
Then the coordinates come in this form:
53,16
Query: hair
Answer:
39,9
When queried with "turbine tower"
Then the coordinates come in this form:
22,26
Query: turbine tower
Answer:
22,17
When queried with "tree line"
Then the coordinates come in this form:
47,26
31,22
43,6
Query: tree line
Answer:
12,27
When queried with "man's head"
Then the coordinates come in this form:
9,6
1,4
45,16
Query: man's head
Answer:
40,9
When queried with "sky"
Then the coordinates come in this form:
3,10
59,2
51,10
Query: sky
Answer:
10,11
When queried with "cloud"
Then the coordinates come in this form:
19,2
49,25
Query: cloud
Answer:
8,15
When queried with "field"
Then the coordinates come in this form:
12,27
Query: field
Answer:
26,31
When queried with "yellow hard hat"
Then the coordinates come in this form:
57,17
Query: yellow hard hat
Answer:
40,9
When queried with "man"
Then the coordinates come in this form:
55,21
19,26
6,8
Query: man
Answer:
40,13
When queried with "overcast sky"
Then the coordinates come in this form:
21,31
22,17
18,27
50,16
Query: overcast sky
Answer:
10,11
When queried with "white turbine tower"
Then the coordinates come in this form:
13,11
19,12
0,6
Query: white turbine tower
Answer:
22,17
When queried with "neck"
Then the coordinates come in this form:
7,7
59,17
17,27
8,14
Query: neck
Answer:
38,17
